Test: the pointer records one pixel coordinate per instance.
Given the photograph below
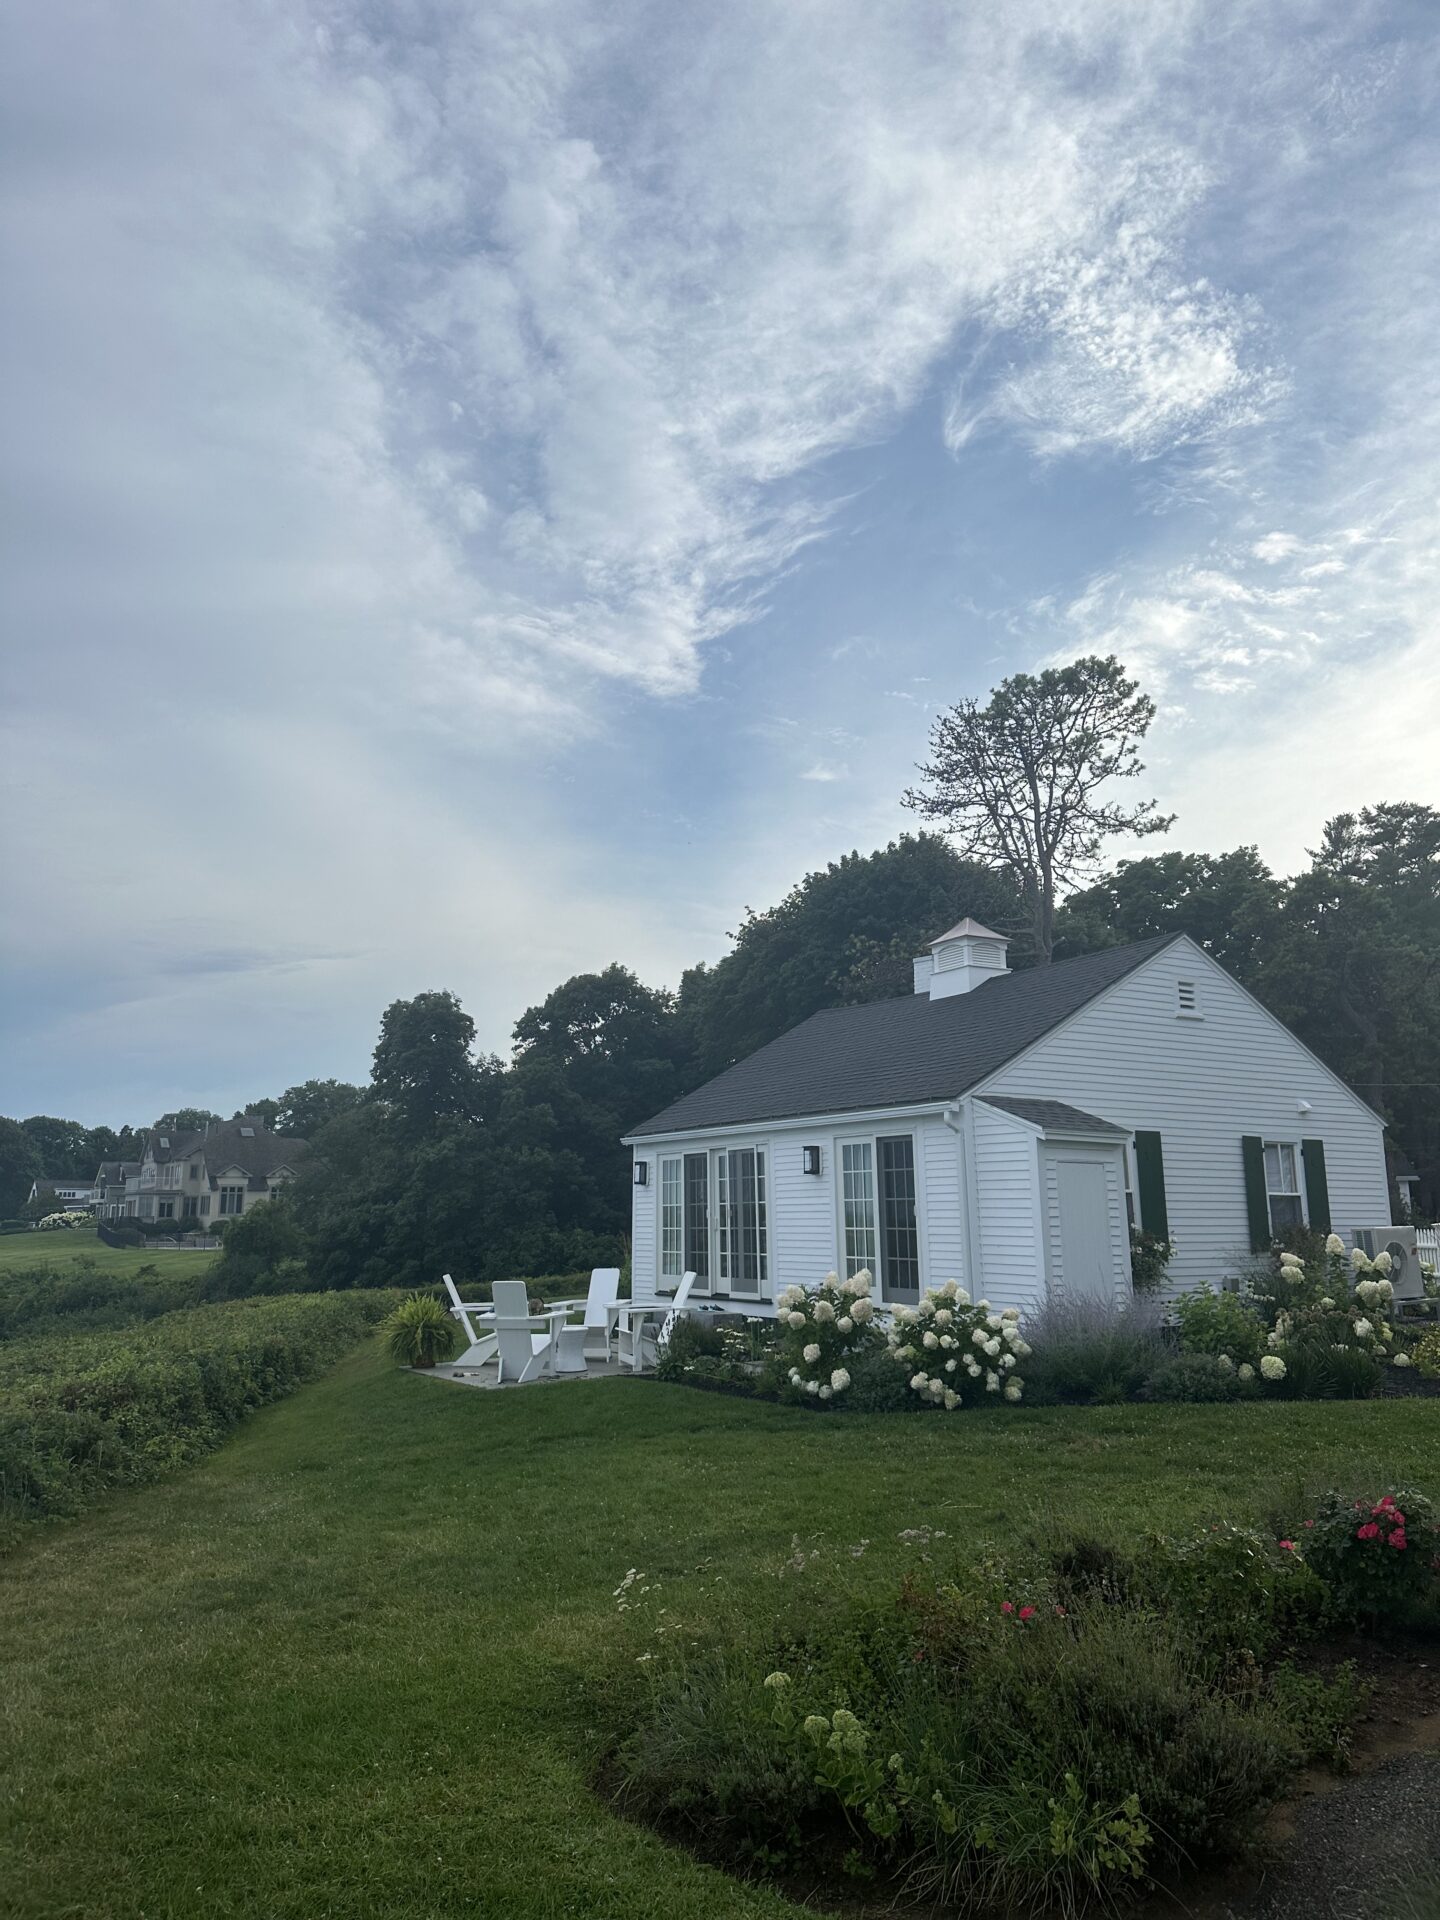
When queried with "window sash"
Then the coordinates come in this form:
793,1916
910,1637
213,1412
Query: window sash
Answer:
857,1203
1284,1198
672,1215
741,1231
899,1222
696,1229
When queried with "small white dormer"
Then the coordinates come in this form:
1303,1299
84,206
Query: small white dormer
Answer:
963,958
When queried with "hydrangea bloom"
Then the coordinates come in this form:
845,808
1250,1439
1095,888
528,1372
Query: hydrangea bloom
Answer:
812,1354
823,1312
1334,1244
1272,1366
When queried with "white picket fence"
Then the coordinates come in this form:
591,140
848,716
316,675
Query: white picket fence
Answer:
1427,1245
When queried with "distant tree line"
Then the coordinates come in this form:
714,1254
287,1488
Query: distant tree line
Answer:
452,1158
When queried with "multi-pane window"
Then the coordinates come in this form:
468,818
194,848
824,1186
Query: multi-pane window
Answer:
232,1199
164,1209
204,1203
878,1213
741,1226
1282,1185
697,1216
899,1234
672,1218
857,1203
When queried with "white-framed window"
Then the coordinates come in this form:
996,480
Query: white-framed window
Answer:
1132,1210
714,1219
879,1216
232,1199
672,1217
741,1221
1282,1185
164,1209
204,1203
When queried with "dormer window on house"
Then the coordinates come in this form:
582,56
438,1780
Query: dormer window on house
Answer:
247,1133
1187,996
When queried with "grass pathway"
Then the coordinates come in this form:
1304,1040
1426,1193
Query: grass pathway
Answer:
335,1669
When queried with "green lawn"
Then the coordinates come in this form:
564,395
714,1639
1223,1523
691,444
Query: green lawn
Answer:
62,1249
336,1669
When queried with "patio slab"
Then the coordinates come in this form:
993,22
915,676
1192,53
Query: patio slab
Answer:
485,1376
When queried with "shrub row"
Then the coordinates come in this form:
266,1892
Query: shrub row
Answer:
80,1414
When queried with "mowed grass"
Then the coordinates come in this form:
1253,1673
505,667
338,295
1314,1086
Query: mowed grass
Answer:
346,1666
65,1250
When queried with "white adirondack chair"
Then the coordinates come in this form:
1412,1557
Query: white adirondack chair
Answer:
640,1344
526,1340
590,1340
483,1346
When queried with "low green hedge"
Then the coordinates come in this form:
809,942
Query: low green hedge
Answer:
80,1414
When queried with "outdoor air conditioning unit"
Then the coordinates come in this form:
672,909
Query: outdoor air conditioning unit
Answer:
1399,1243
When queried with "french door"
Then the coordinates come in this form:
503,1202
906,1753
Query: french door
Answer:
714,1221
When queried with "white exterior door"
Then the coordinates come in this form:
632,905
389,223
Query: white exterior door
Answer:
1086,1259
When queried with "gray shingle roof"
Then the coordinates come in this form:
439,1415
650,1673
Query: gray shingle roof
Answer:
250,1145
899,1053
1054,1116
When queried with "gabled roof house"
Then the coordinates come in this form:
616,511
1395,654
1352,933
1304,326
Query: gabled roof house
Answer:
211,1175
1006,1130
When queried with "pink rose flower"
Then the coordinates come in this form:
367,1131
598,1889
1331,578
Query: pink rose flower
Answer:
1287,1546
1026,1612
1007,1606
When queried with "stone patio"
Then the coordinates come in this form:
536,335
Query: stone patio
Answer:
485,1376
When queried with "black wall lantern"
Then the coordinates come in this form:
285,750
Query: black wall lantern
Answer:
642,1173
810,1159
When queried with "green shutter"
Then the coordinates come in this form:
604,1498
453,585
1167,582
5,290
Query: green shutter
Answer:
1317,1188
1257,1199
1150,1180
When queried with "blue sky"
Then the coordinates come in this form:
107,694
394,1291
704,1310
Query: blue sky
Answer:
497,490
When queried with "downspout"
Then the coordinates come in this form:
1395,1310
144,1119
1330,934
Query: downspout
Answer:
960,1118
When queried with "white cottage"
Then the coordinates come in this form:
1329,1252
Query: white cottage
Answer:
1004,1129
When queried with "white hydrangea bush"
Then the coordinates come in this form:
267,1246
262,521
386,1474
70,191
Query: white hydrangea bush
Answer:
822,1329
71,1219
958,1350
1347,1303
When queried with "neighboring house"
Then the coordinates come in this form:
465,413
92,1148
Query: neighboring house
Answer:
69,1196
108,1194
1001,1129
210,1176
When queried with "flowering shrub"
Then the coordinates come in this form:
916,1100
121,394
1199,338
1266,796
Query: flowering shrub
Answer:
1330,1329
822,1330
1221,1324
958,1350
70,1219
1373,1556
1427,1354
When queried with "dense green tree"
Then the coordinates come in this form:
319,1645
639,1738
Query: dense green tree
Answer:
64,1146
424,1068
262,1110
20,1167
1024,784
847,933
1229,903
304,1109
192,1119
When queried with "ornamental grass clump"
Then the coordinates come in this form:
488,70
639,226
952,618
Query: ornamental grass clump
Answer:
821,1331
958,1350
420,1332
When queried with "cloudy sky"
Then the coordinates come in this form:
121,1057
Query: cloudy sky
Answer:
494,490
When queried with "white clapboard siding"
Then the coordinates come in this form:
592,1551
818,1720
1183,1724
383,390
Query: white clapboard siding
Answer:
1012,1259
1202,1084
644,1232
803,1228
939,1163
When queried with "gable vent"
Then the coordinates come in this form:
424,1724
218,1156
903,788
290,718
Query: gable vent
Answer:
1188,995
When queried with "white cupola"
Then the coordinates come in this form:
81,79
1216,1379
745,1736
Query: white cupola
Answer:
965,957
